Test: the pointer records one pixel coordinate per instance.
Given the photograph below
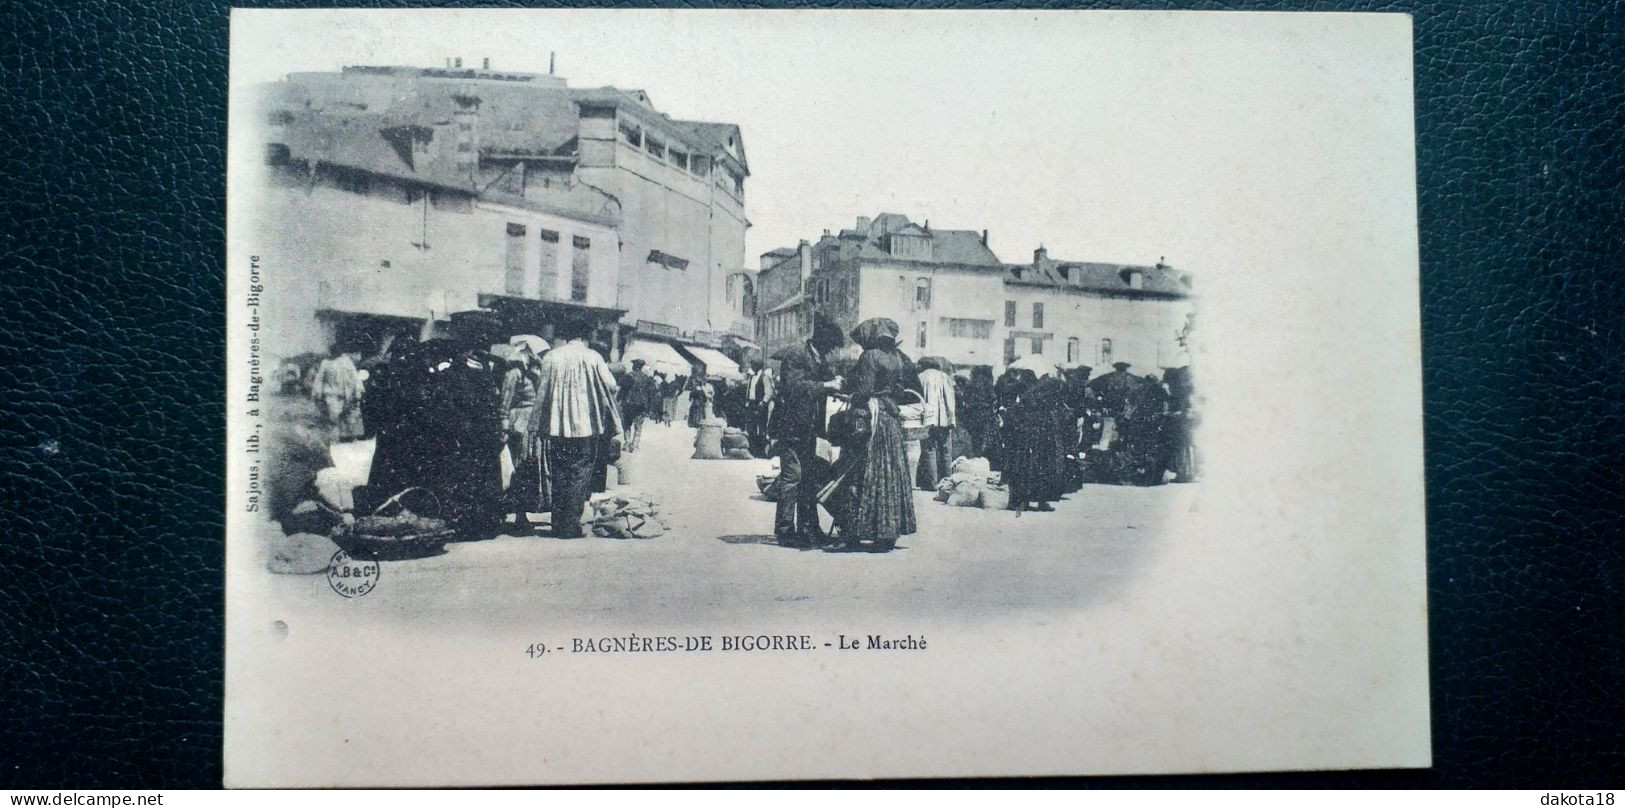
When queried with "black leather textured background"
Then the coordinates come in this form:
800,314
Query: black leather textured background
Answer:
112,374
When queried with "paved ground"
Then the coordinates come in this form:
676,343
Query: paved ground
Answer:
719,562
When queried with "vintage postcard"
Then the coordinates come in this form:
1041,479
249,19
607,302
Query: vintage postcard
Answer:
653,396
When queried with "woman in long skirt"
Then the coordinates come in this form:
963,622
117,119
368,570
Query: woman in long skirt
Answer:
699,406
879,504
1035,457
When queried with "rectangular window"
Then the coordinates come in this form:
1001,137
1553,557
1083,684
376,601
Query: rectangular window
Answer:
1105,352
655,148
679,159
919,341
631,134
513,276
1072,350
968,329
699,165
1038,315
922,294
1009,314
579,268
1038,345
547,275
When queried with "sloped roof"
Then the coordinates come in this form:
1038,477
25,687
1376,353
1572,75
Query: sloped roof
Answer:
716,136
962,247
700,134
379,143
372,143
887,223
947,247
520,118
1097,277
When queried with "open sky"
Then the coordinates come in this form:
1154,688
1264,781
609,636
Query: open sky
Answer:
1103,136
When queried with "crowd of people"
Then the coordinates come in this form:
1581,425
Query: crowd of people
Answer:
904,422
490,437
477,436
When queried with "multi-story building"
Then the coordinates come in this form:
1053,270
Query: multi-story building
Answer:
951,296
1081,313
406,193
681,186
941,286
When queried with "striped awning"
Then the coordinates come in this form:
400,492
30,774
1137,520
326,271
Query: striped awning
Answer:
716,364
659,355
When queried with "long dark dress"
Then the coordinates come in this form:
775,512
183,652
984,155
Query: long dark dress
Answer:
1035,458
698,397
438,429
978,414
879,503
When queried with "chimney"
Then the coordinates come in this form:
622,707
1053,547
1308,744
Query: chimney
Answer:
550,55
863,224
458,62
485,64
826,232
805,253
448,62
927,225
984,238
1040,255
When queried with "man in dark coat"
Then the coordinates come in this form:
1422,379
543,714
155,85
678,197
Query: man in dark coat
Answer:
1115,389
639,397
758,403
795,425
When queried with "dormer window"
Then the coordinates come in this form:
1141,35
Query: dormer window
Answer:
1136,279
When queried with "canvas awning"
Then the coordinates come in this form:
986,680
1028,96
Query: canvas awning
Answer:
716,364
661,357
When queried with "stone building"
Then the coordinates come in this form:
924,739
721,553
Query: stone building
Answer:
1095,314
951,296
400,194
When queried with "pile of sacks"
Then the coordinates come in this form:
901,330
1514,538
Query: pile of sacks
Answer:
714,440
736,444
624,516
971,483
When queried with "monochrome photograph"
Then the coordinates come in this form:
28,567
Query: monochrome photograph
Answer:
673,396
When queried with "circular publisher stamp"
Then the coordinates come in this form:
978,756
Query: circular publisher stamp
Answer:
351,577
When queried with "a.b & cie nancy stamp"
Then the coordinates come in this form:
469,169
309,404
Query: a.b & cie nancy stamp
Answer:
352,577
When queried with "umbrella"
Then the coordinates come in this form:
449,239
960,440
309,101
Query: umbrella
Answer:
1035,363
